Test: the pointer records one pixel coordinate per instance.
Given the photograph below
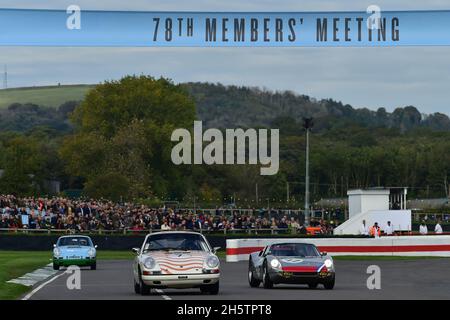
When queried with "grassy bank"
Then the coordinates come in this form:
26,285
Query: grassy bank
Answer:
51,96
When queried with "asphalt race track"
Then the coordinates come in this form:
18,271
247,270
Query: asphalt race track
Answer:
408,279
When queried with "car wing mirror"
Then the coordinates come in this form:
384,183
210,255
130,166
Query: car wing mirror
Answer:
135,250
96,246
215,249
324,253
54,245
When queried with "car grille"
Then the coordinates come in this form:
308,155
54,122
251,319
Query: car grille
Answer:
305,273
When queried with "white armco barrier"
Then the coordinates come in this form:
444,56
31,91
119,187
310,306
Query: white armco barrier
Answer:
439,246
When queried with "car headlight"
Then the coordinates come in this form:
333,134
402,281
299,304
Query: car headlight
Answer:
275,263
56,252
149,263
91,252
328,263
212,262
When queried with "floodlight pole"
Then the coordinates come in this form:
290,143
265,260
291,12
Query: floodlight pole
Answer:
307,180
308,125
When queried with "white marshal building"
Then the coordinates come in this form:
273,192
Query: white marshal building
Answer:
376,205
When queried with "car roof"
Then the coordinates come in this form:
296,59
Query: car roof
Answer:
289,243
74,236
175,232
172,232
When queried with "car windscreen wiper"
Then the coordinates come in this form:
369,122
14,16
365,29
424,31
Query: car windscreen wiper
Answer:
162,249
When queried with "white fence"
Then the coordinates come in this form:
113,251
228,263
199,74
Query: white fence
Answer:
439,245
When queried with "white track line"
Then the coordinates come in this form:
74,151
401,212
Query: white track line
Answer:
29,295
164,296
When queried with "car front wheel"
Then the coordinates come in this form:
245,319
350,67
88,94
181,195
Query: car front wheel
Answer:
267,283
212,289
329,284
312,285
137,288
251,276
143,288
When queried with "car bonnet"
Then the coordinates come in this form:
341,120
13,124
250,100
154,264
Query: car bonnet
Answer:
179,262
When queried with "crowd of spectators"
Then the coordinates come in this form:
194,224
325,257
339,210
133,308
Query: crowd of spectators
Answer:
433,218
90,215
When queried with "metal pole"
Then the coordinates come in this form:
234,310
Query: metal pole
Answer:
287,192
256,193
307,180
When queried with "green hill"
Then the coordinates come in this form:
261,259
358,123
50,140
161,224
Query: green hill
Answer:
51,96
222,106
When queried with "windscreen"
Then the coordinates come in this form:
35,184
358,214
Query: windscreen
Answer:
75,241
176,241
294,250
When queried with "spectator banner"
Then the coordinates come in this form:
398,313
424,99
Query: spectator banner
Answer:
25,219
76,27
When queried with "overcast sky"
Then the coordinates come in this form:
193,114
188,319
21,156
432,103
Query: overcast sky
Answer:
362,77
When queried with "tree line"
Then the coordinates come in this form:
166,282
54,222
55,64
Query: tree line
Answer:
115,144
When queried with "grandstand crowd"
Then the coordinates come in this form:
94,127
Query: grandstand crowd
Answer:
90,215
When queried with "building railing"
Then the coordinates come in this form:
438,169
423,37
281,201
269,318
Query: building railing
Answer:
125,231
128,231
431,217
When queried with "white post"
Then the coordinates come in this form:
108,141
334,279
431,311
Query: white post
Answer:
287,192
404,197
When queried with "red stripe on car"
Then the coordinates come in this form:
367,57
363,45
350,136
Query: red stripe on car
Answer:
312,269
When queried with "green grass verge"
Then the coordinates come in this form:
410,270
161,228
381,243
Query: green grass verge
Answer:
14,264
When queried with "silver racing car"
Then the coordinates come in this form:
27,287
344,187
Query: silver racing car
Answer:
291,263
176,259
